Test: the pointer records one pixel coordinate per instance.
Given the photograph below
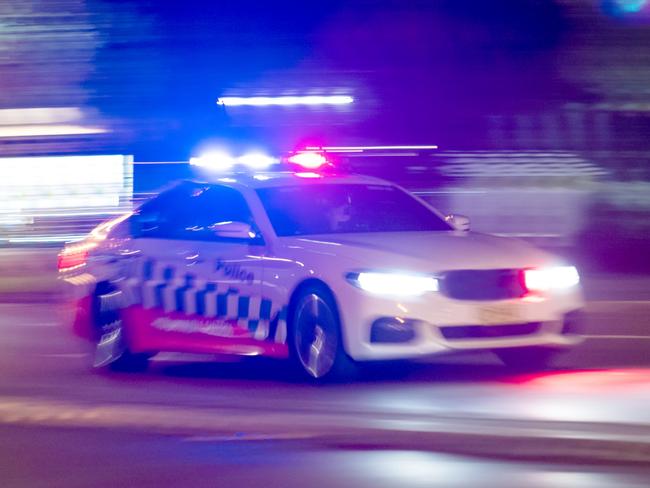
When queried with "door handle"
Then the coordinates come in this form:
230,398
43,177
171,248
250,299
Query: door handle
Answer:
192,257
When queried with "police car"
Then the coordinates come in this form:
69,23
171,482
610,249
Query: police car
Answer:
320,268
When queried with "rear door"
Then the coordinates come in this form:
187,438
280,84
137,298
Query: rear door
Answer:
199,292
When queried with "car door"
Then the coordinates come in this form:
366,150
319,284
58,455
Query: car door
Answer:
223,273
197,288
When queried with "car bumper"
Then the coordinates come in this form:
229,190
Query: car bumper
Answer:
380,328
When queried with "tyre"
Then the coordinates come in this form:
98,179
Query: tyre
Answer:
315,341
527,359
110,349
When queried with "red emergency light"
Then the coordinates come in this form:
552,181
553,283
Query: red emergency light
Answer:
308,160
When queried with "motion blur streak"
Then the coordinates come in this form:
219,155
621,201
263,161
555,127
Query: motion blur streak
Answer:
39,115
47,130
368,148
45,121
589,381
57,198
285,100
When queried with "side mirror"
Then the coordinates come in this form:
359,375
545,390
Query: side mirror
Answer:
234,230
458,222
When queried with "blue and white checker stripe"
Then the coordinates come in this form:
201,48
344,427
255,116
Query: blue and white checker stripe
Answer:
160,286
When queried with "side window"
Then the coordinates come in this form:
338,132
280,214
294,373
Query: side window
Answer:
188,211
158,217
209,206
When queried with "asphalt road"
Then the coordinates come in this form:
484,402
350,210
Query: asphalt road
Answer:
100,458
224,421
38,356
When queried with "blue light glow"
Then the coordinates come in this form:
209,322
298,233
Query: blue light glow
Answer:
222,161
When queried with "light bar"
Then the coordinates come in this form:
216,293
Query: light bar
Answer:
256,160
285,100
222,161
214,160
308,160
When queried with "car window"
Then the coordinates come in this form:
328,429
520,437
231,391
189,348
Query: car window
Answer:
157,217
189,212
209,206
346,208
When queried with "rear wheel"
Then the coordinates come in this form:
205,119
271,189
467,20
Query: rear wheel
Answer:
110,346
315,340
527,358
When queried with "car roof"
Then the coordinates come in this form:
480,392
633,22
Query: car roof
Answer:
285,178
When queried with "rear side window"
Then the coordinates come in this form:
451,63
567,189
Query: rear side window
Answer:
158,217
189,211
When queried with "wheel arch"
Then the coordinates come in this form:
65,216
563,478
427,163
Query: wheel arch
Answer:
101,287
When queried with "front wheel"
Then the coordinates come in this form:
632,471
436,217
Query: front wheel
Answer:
315,340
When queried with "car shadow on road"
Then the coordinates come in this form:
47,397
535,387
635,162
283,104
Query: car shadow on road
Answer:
262,370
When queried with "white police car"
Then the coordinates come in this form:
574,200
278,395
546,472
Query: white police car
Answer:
321,268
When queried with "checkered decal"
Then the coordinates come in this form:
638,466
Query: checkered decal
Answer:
156,286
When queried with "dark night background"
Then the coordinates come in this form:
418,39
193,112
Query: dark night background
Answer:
458,73
519,78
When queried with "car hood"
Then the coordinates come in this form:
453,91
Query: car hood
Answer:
424,251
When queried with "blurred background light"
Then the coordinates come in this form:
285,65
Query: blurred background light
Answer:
61,170
626,8
370,148
52,199
46,239
47,130
45,121
286,100
39,115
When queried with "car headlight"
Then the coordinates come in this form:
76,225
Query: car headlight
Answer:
544,279
394,284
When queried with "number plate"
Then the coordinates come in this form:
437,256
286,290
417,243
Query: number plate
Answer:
499,314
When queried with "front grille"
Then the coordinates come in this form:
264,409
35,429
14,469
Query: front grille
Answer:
489,331
489,284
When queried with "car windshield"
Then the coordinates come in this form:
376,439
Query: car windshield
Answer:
328,208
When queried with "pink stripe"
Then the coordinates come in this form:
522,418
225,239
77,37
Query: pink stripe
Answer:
142,336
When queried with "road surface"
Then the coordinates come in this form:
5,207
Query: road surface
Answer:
250,422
